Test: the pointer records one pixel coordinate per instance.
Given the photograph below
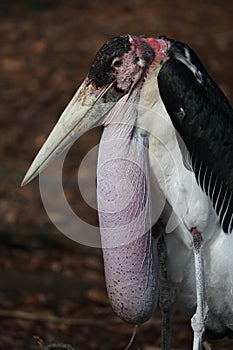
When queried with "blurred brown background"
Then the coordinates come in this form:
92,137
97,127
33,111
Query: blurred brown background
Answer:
51,287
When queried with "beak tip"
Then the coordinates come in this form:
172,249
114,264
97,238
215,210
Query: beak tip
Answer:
29,176
25,181
69,127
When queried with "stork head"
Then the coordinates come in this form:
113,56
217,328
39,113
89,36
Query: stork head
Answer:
122,61
119,66
108,97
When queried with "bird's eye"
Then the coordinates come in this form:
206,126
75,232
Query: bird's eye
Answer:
117,62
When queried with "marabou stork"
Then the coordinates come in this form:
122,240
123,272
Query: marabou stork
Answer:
167,138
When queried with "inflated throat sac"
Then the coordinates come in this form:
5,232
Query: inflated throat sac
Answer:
123,192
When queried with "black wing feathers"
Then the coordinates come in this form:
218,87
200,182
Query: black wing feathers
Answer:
205,125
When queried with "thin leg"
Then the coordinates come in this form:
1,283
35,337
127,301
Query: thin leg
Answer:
199,318
166,298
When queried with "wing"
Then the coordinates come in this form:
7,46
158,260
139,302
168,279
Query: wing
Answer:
204,119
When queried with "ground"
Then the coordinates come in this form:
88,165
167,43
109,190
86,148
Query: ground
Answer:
52,289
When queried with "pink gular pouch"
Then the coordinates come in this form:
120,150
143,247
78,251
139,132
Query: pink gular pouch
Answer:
124,206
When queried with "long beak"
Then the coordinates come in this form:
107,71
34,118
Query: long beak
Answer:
82,113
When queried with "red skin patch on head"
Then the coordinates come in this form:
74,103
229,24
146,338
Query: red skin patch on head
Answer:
159,46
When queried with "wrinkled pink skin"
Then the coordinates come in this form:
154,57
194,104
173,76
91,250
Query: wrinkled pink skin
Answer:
123,193
132,70
129,259
159,46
